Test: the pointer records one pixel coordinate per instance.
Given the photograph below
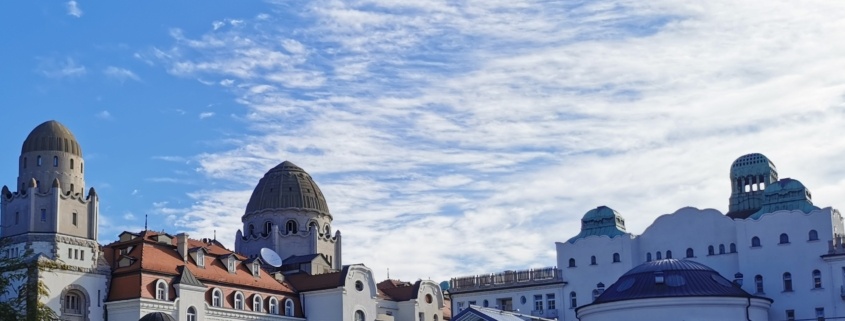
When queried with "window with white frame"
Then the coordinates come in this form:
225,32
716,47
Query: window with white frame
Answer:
289,307
550,301
239,301
192,314
161,290
257,303
217,298
538,302
272,306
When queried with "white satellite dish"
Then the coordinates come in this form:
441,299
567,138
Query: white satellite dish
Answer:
270,257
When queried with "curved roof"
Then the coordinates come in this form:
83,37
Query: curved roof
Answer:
670,278
51,136
752,164
287,186
785,194
157,316
600,221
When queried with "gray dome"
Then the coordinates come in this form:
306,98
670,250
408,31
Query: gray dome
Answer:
287,186
157,316
51,136
670,278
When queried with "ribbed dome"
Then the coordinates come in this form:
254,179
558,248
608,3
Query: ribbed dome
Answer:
670,278
51,136
287,186
157,316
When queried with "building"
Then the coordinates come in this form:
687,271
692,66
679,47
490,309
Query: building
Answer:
773,239
150,275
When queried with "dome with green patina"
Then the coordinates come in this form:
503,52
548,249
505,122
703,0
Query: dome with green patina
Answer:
287,186
51,136
601,221
752,164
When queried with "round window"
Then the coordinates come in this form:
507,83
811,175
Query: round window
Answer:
428,298
359,286
523,300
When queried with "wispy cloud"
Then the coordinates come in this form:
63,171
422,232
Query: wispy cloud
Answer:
120,74
501,123
68,68
73,9
207,114
104,115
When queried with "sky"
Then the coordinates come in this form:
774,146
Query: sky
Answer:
450,138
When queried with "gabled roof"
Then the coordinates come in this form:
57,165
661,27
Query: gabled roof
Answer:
187,278
477,313
163,259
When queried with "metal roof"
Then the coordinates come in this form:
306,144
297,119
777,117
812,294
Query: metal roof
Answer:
287,186
670,278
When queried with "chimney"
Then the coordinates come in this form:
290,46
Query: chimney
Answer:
182,245
279,276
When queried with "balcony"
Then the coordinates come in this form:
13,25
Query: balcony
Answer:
505,280
549,314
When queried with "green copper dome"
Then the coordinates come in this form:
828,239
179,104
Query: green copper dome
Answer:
786,194
601,221
51,136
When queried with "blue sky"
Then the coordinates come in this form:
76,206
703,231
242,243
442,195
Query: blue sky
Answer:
482,129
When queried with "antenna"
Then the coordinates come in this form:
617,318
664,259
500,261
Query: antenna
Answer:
146,218
215,235
388,273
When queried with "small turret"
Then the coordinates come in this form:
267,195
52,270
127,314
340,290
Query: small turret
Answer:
55,183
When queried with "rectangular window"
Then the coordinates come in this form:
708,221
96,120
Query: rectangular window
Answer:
44,215
76,254
471,303
69,253
17,217
538,302
200,259
790,315
460,306
550,301
820,314
73,219
82,255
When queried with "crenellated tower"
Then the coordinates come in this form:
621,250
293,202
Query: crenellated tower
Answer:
49,211
288,213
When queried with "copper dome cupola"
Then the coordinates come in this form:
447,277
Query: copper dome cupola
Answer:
287,186
51,136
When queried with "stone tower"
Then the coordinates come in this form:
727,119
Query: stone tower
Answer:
288,214
750,175
49,212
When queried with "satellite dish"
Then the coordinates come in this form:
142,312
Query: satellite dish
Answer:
270,257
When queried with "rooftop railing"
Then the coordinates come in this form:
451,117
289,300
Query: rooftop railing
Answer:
505,279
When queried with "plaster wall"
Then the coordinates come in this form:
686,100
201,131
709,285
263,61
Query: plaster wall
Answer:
461,301
672,309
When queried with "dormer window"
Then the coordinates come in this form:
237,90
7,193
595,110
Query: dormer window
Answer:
256,269
230,264
200,259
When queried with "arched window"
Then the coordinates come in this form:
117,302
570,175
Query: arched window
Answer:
291,228
328,230
239,301
268,227
55,161
38,160
24,162
251,230
814,236
616,257
81,168
733,247
668,254
71,163
74,303
817,279
313,227
711,250
73,219
787,282
71,188
690,252
435,318
192,314
784,239
257,303
161,290
217,298
755,242
758,283
593,260
573,301
289,307
272,306
359,315
658,255
571,262
721,249
648,257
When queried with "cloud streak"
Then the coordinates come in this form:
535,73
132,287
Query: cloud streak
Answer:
73,9
120,74
485,129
